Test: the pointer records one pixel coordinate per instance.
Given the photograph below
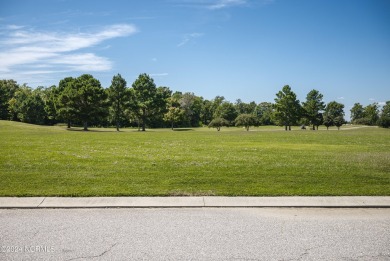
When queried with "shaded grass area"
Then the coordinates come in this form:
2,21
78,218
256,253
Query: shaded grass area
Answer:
51,161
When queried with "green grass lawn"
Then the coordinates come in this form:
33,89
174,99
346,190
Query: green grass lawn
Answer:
52,161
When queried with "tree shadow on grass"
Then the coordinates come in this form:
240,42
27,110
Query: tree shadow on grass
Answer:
90,130
183,129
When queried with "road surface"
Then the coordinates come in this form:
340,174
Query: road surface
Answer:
195,234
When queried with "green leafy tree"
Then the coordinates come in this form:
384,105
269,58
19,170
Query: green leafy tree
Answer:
246,120
174,115
50,98
357,113
334,114
264,112
84,99
313,108
245,108
90,101
7,92
227,111
371,114
338,121
147,99
327,121
65,101
287,108
162,100
218,123
206,113
118,96
28,105
384,119
186,101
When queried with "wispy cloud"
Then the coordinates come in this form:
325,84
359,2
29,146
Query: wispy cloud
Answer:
14,27
212,4
189,37
24,49
340,98
158,74
225,4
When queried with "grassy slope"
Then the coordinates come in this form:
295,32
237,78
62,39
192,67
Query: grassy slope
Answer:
50,161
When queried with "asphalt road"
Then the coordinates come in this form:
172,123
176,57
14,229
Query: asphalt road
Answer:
195,234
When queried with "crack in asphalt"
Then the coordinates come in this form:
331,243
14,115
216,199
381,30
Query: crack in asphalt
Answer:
90,257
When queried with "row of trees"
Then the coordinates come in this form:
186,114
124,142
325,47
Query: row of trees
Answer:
83,101
371,114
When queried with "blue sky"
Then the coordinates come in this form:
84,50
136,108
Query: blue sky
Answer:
247,49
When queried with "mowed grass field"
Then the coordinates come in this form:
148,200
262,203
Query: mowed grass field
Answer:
266,161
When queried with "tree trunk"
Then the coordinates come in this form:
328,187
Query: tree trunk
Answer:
289,127
85,125
218,128
143,119
117,126
285,127
172,125
69,124
247,128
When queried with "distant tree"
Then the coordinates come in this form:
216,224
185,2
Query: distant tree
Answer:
313,108
287,108
65,100
7,92
206,113
357,112
334,114
338,121
118,96
49,96
218,123
88,100
384,119
217,101
227,111
28,105
246,120
192,106
263,112
174,115
161,107
327,121
371,114
245,108
147,99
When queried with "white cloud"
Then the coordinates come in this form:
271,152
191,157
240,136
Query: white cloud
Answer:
340,98
24,50
84,62
188,37
14,27
158,74
225,3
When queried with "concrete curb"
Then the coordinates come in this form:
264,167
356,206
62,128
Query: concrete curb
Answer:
191,202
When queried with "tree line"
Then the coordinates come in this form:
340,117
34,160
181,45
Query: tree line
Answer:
82,101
